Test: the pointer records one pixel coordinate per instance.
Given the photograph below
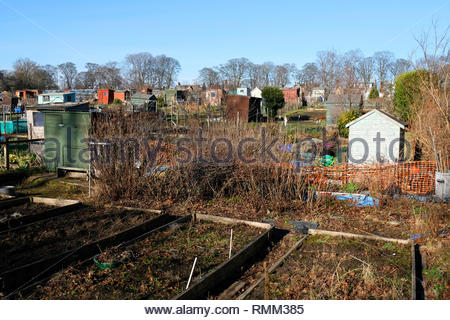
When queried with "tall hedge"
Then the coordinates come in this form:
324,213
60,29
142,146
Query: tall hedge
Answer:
408,92
273,100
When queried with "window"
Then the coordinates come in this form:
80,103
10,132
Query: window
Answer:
213,94
38,119
46,98
105,94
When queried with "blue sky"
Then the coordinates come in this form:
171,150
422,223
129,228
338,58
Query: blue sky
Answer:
207,33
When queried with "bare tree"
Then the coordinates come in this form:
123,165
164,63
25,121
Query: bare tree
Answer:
267,74
68,72
365,70
350,63
400,66
253,75
308,75
140,69
172,68
234,71
208,77
328,64
430,122
383,61
283,74
24,71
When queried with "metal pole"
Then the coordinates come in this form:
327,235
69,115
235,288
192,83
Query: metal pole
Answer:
6,153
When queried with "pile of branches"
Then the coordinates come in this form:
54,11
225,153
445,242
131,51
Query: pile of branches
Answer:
133,161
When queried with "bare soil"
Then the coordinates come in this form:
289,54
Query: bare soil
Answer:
334,268
57,235
27,209
157,267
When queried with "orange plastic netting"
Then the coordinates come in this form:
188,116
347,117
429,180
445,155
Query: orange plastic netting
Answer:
416,177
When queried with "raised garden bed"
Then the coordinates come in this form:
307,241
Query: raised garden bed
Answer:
52,236
157,266
17,212
327,267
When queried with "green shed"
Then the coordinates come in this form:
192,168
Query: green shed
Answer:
66,132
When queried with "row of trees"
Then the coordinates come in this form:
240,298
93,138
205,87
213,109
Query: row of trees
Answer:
138,70
329,70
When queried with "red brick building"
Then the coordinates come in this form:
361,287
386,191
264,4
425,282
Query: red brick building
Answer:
291,96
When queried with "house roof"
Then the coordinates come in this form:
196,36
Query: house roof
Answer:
389,117
143,96
55,93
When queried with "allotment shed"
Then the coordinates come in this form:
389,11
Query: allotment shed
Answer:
376,137
66,130
243,109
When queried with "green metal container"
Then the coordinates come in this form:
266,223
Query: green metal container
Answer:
66,136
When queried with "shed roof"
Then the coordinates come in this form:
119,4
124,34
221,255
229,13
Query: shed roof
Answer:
68,106
388,117
55,93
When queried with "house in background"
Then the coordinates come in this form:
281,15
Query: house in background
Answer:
214,96
243,92
145,90
105,96
122,95
317,95
56,97
291,96
376,137
27,94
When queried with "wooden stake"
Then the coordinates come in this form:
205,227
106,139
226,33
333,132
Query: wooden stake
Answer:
266,282
6,151
231,244
192,272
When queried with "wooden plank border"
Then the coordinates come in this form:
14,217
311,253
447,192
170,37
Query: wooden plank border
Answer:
38,270
229,271
356,236
62,207
278,263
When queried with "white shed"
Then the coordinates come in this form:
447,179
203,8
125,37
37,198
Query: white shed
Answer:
376,137
256,92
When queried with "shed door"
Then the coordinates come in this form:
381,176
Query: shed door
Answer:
76,149
55,138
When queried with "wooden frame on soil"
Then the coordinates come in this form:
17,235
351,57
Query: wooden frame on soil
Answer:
15,278
63,206
218,278
416,262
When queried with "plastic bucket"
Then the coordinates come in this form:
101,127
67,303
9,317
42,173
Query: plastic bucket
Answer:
442,185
